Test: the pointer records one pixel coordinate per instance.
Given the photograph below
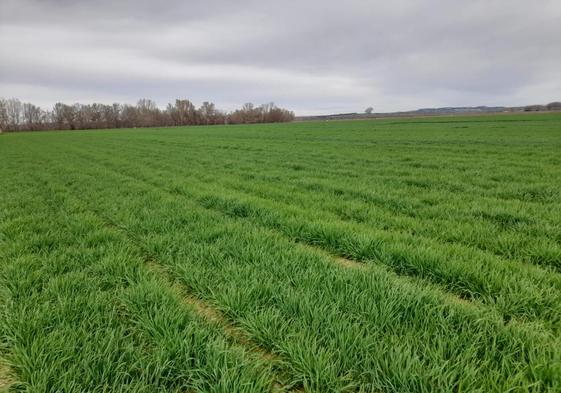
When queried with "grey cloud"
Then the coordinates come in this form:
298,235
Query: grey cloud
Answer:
312,56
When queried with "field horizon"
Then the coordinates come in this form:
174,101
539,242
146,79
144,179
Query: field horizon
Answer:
377,117
388,255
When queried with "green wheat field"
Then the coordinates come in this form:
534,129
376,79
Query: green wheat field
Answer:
397,255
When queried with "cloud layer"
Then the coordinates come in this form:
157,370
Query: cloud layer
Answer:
311,56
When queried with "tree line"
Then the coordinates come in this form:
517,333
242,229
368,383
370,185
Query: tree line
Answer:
18,116
552,106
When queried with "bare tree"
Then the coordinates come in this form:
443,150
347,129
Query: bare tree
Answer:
129,116
58,115
111,115
148,113
208,114
3,114
369,110
16,116
266,113
32,116
182,113
14,109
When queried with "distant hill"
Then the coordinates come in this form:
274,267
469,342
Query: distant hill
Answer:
462,110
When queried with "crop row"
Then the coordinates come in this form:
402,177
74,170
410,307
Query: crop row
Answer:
336,327
516,289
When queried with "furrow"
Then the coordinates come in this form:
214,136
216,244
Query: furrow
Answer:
346,263
211,314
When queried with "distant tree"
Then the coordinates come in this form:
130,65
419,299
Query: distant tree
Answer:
33,116
3,114
57,115
72,116
208,114
14,109
81,116
534,108
129,116
112,114
148,113
270,113
15,115
146,105
249,113
369,110
266,113
96,117
553,106
182,113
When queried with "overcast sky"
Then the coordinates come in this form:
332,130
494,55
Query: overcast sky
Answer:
311,56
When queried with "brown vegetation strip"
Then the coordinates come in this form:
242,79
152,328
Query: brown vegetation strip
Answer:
208,312
352,264
6,379
215,317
